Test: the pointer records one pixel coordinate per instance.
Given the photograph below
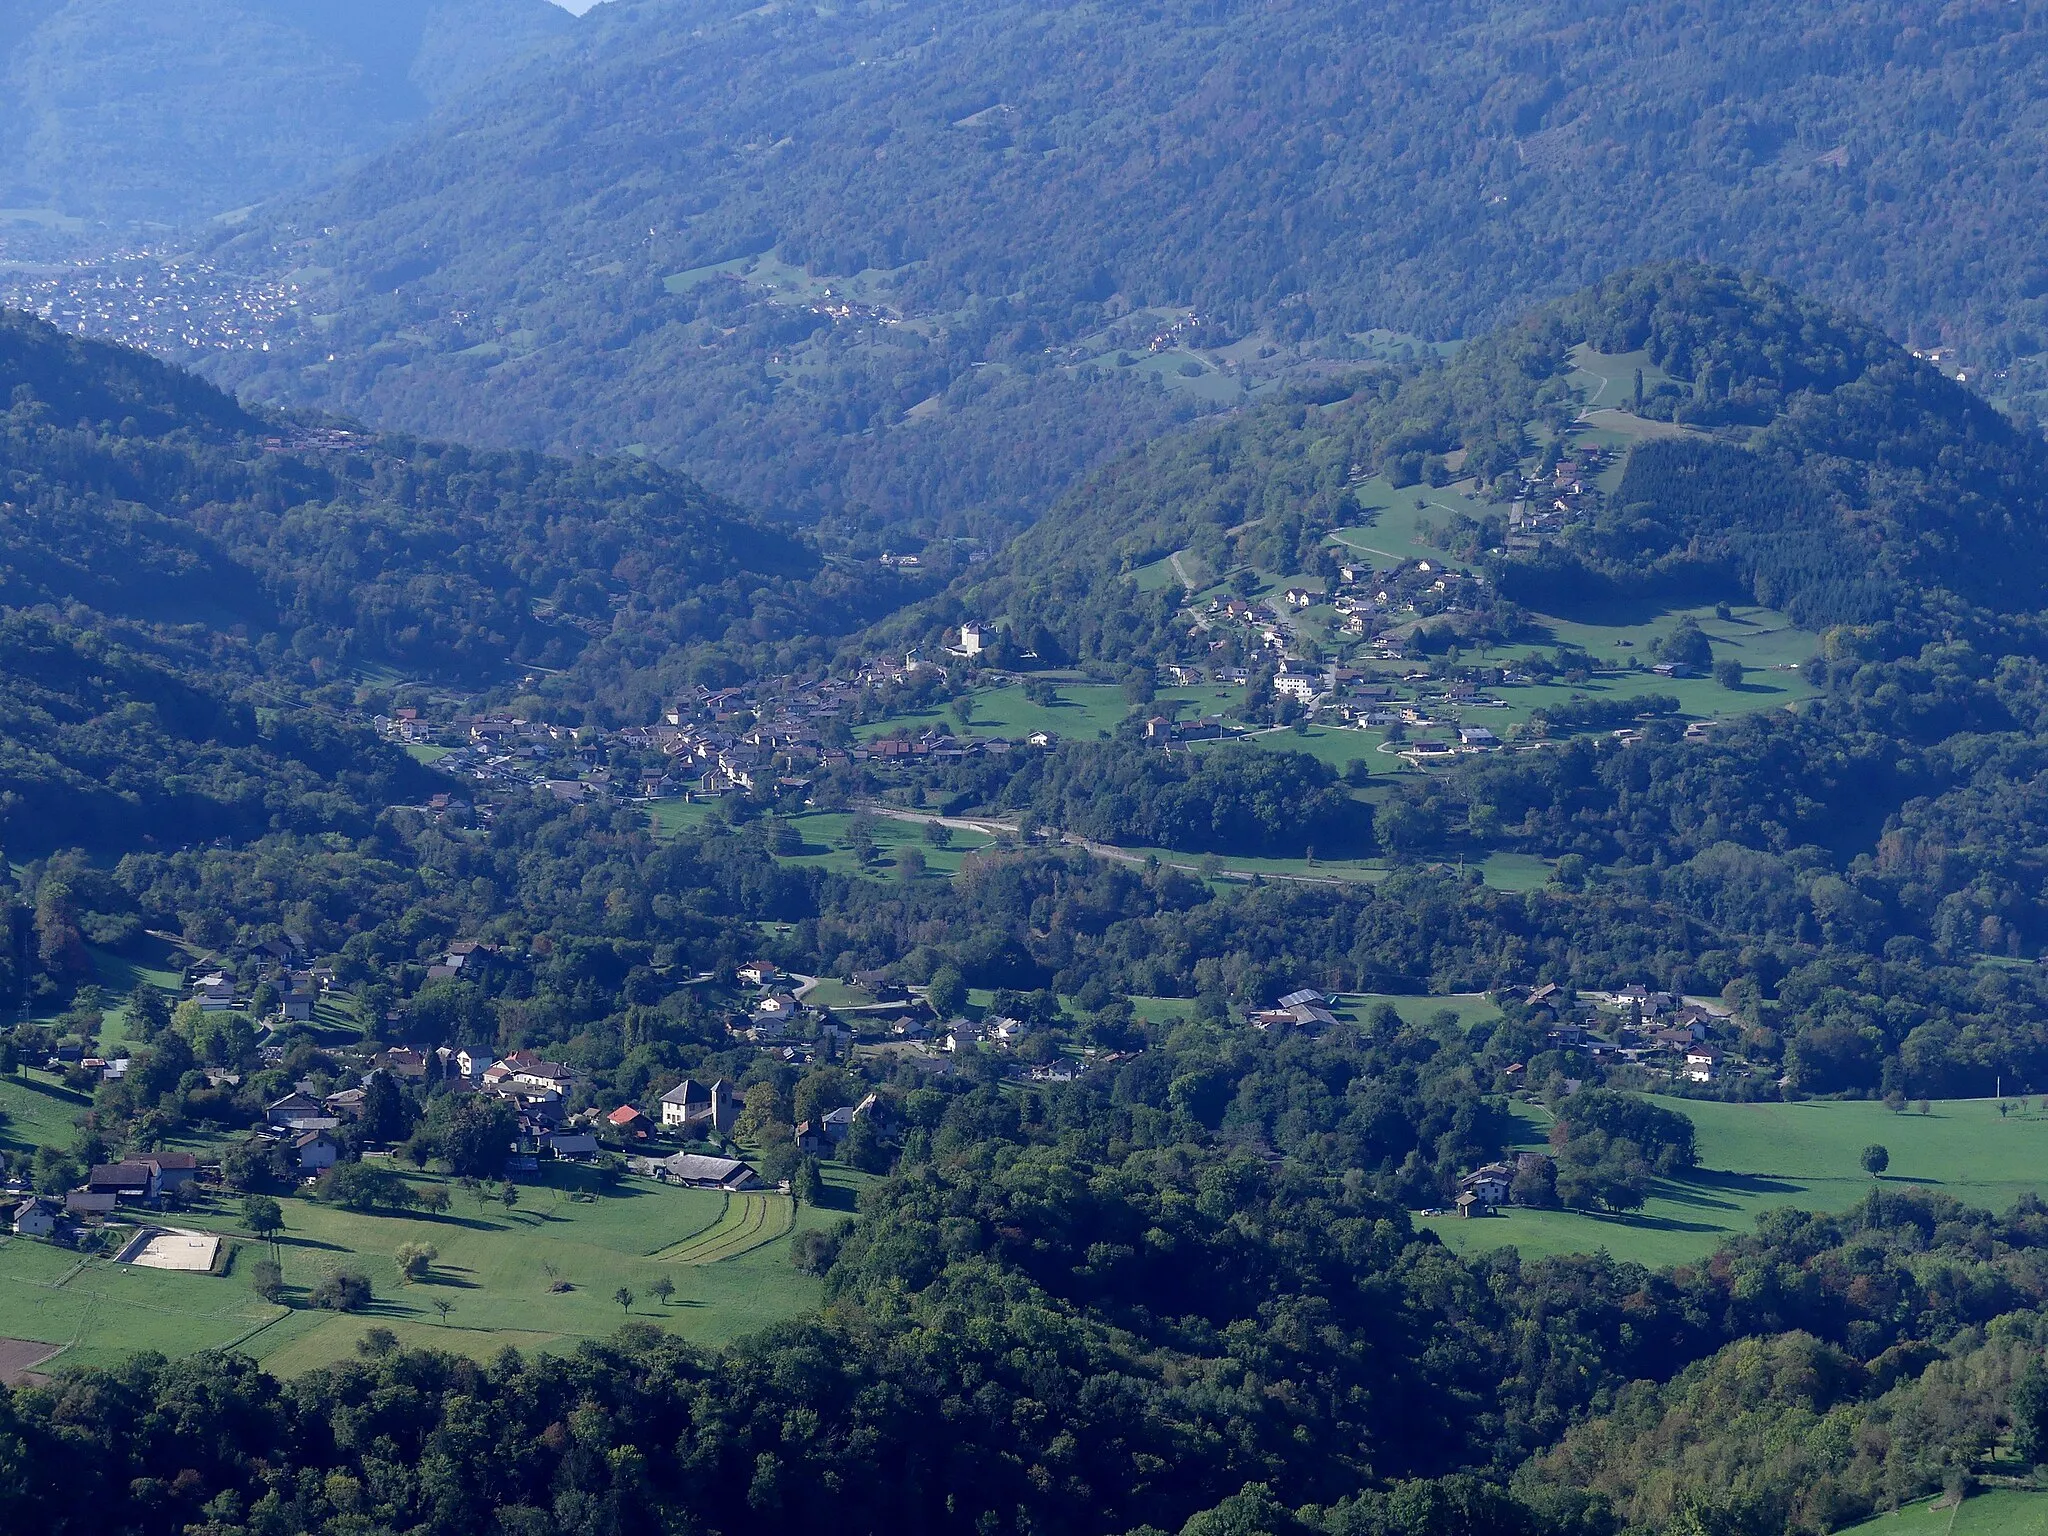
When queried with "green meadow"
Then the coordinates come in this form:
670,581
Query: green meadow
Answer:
1758,1157
1608,378
825,845
1387,526
102,1312
673,816
1997,1512
541,1275
1469,1008
1079,710
39,1112
830,992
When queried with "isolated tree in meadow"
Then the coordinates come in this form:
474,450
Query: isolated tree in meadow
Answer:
1876,1159
263,1216
1895,1101
662,1289
624,1298
509,1195
443,1306
860,835
342,1291
415,1261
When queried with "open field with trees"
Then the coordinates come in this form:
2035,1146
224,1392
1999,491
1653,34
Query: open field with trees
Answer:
1993,1512
1761,1157
540,1274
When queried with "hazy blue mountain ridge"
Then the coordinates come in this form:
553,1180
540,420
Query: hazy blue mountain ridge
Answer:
117,112
784,248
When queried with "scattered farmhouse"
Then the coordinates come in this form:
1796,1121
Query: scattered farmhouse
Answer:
695,1171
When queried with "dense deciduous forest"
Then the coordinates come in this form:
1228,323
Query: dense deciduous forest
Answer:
1109,1347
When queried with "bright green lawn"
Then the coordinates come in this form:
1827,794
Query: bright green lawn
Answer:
1515,871
1756,637
1339,746
1162,1010
1470,1007
40,1111
1609,378
1756,1157
1155,577
673,816
830,992
495,1266
104,1311
1386,531
1763,641
1081,711
824,834
1999,1512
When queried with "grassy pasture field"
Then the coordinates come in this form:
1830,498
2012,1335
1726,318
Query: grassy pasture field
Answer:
671,817
831,992
1160,574
104,1311
1418,1008
1608,379
1758,1157
1759,638
728,1258
1996,1512
1080,711
824,834
41,1112
1387,527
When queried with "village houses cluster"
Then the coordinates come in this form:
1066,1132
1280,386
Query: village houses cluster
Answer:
768,735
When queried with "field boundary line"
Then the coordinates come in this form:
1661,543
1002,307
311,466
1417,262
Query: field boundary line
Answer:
269,1322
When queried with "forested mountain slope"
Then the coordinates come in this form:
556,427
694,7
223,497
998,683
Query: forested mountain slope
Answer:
117,112
1832,475
187,592
1027,187
1823,471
